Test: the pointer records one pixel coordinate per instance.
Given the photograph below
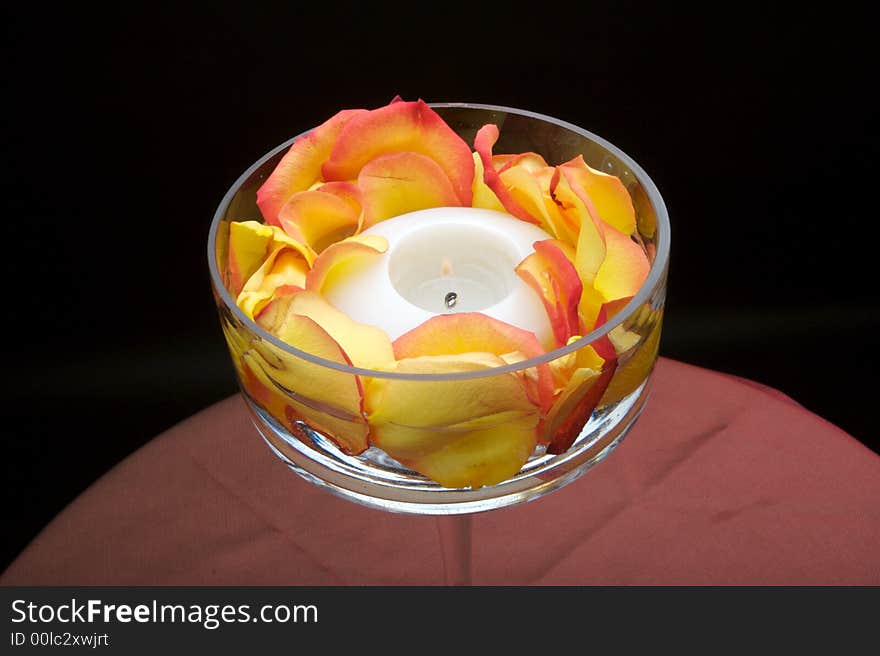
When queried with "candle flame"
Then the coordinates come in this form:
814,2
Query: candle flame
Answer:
445,267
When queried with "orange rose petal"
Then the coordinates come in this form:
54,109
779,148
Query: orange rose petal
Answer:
300,167
615,306
611,199
591,250
342,422
550,272
603,346
467,332
250,243
575,405
635,370
395,184
512,357
342,259
467,455
623,340
587,357
531,162
329,400
319,218
474,432
351,436
483,197
248,247
570,211
366,346
401,401
262,390
483,143
500,161
525,191
624,269
579,210
272,314
562,225
573,391
284,268
564,367
347,191
589,308
402,127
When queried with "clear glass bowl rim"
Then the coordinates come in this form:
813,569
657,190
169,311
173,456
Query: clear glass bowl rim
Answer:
655,275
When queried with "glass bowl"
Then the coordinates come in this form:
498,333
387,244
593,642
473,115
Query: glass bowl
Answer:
297,420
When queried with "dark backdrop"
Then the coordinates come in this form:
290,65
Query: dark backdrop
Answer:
125,127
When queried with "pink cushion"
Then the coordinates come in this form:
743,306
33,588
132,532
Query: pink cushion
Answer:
722,481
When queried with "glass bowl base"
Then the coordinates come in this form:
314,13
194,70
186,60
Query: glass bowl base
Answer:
375,480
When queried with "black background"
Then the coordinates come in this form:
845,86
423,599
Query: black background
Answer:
124,128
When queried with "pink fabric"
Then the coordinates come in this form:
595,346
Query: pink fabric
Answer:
720,482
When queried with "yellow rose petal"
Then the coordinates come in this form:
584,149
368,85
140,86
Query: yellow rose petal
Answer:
460,433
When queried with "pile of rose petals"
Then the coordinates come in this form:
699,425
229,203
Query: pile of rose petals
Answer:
364,166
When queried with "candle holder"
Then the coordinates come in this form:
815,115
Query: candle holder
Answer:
304,439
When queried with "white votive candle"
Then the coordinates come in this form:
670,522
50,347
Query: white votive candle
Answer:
445,260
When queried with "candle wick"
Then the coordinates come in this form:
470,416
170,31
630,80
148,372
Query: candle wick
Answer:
451,299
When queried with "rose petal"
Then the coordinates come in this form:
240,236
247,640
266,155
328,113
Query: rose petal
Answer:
525,191
574,408
531,162
473,432
347,191
402,401
595,367
319,218
500,161
250,243
559,224
285,267
575,205
483,197
248,247
623,340
610,197
624,269
344,258
466,455
300,167
329,400
402,127
262,390
550,272
366,346
403,182
468,332
263,368
636,369
483,143
563,367
609,263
